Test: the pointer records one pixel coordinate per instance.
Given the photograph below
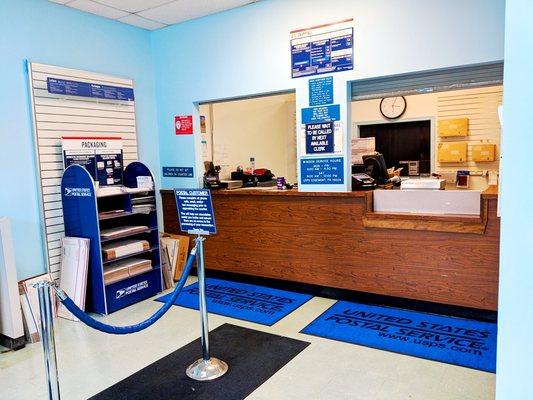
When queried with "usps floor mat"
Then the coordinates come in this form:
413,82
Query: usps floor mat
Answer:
254,303
457,341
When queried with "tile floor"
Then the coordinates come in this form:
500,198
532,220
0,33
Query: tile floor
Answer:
90,361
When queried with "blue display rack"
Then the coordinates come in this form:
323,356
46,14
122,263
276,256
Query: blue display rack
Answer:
81,208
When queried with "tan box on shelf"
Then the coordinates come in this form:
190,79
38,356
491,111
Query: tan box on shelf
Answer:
452,152
453,127
483,152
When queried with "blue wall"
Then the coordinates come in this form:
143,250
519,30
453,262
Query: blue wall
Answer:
515,348
48,33
246,51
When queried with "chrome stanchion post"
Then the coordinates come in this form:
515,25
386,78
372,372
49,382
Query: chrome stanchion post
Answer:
47,338
207,368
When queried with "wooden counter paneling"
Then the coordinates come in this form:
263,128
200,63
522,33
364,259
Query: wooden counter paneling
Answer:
320,239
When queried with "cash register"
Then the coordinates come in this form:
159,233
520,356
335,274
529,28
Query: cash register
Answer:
371,173
211,176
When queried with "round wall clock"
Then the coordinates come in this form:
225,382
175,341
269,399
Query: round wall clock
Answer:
393,107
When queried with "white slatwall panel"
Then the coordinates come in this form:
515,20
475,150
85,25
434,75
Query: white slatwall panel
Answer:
55,116
480,106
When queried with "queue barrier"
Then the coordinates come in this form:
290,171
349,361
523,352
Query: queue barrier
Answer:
206,368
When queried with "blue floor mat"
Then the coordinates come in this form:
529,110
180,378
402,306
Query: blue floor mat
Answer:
243,301
434,337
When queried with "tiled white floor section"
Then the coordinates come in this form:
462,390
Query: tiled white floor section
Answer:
90,361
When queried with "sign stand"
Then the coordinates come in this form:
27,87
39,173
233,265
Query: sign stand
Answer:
196,216
206,368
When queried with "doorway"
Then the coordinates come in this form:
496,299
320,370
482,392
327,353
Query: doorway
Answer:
402,141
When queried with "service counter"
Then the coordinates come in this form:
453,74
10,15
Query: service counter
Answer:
337,240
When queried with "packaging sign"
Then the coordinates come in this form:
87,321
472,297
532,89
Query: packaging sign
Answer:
322,49
319,138
322,171
178,172
195,211
102,157
183,124
321,91
109,167
85,158
321,114
87,89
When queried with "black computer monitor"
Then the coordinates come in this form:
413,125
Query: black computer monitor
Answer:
376,167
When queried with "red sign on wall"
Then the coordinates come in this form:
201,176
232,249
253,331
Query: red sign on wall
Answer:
183,124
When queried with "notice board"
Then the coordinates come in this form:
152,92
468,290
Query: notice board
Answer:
322,49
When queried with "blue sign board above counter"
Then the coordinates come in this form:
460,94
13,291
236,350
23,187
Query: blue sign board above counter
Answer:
318,114
195,211
322,49
319,138
178,172
86,89
321,91
322,171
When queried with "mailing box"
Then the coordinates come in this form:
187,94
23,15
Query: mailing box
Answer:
453,127
452,152
483,152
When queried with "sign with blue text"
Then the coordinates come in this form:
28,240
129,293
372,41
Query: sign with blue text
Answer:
322,49
195,211
322,171
321,91
87,89
178,172
321,114
319,138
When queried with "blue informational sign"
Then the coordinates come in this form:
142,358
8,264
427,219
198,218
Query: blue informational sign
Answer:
322,53
84,158
322,171
321,91
321,114
319,137
178,172
195,211
109,167
86,89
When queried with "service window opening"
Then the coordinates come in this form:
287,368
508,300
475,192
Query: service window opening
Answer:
253,133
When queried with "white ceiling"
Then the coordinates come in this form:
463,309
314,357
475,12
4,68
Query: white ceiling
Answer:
153,14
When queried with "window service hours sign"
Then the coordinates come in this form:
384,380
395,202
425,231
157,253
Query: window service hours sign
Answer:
322,49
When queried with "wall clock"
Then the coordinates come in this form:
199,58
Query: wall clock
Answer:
393,107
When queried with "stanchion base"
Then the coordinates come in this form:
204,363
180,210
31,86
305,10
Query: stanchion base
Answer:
202,370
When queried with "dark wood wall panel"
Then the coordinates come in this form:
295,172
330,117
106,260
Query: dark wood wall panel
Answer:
321,240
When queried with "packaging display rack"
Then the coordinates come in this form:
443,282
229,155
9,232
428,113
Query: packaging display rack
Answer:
87,211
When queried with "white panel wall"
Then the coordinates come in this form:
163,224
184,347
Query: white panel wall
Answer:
55,116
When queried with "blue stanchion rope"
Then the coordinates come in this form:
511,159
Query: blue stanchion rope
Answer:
123,330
